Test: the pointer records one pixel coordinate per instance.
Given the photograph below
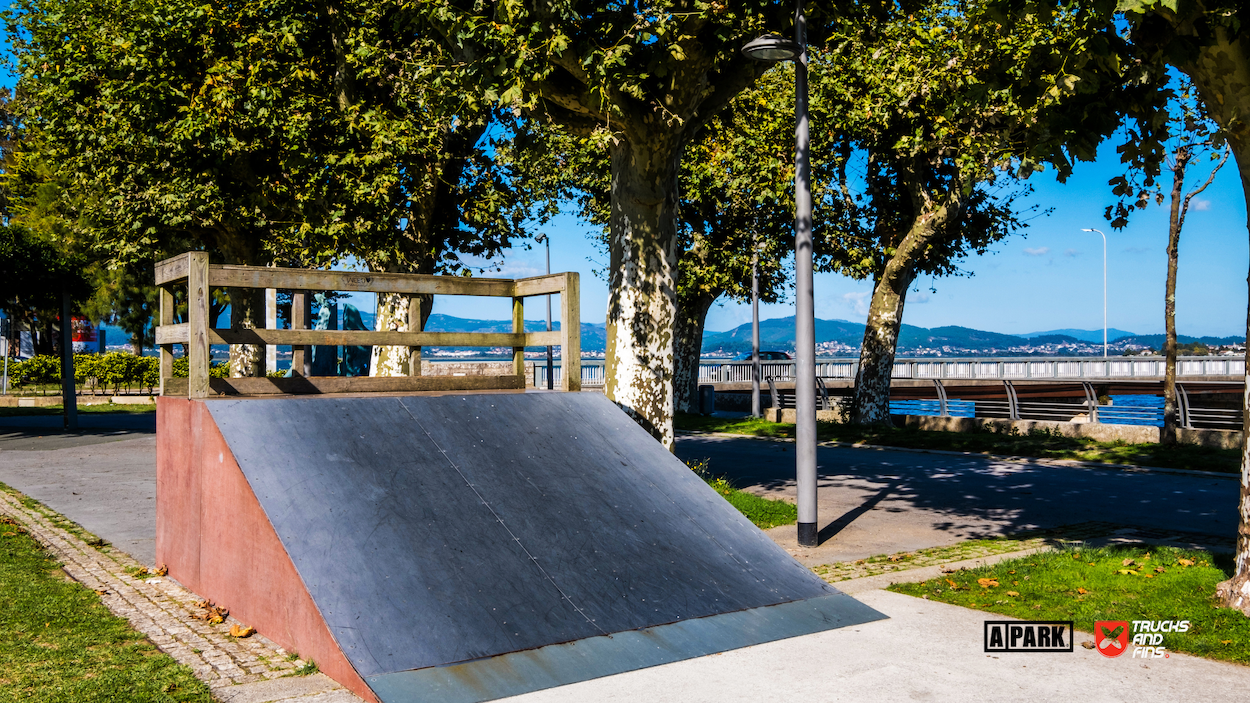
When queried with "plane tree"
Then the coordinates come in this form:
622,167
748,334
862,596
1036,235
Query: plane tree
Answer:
276,132
947,111
1190,139
1206,40
651,75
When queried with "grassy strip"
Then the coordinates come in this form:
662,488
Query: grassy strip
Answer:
1032,444
59,643
763,512
101,409
1108,583
933,556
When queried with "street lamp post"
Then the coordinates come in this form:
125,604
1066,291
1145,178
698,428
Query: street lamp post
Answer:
755,331
1104,289
772,47
550,371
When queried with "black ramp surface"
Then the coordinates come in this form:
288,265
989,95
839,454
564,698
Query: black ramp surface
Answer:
438,529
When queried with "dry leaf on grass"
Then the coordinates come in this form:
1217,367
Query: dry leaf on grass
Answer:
1082,591
1127,562
1185,562
987,583
1012,593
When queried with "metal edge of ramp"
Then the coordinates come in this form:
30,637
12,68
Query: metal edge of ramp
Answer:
554,665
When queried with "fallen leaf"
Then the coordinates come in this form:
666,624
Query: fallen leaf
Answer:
1012,571
1037,607
1128,572
1159,569
162,570
101,591
1012,593
1185,562
987,583
1091,563
1226,641
1088,644
1127,562
1149,576
953,584
241,631
1082,591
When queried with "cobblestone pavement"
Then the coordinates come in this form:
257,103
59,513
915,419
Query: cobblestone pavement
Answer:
162,609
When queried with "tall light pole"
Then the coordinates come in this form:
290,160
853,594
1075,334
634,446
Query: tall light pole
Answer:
755,330
772,48
1104,288
551,376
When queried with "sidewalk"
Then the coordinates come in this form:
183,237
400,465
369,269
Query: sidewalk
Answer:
926,650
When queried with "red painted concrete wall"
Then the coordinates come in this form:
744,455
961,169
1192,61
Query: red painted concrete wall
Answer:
216,540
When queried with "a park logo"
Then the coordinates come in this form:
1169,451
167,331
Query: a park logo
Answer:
1111,637
1028,636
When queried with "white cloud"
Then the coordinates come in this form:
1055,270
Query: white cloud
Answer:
1071,253
1040,251
919,297
1202,205
858,301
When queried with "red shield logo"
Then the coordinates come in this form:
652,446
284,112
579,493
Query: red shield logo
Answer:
1111,637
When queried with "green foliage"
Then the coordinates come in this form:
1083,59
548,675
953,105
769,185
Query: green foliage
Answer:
263,131
36,273
1109,583
59,643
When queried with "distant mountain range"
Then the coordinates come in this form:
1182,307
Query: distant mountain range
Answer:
843,337
836,338
1083,335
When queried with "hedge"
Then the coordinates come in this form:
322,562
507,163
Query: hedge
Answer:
100,372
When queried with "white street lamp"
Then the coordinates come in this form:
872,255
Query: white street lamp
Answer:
1104,288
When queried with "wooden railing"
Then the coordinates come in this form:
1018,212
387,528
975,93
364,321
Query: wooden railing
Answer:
193,270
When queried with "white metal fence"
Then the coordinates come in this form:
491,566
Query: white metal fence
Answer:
1232,368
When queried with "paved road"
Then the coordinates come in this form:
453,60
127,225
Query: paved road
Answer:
103,478
882,501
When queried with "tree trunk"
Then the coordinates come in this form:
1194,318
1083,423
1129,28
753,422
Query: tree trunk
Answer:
393,316
642,277
1221,72
1168,434
247,311
136,344
692,311
885,313
876,355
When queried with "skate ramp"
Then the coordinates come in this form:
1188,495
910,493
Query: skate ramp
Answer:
471,546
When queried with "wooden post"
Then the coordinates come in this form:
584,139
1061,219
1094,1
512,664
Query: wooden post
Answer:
571,334
301,309
518,327
414,325
167,350
198,295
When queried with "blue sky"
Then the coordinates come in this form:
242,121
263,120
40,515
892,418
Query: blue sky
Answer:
1049,278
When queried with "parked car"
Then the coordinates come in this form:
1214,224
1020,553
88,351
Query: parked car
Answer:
765,356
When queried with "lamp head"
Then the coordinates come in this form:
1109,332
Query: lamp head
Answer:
772,48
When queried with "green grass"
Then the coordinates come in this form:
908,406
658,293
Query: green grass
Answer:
1032,444
763,512
101,409
59,643
1111,583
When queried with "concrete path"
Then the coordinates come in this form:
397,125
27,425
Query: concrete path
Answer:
107,486
881,501
872,502
926,651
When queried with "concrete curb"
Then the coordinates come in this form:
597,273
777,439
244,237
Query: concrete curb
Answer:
1069,463
924,573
